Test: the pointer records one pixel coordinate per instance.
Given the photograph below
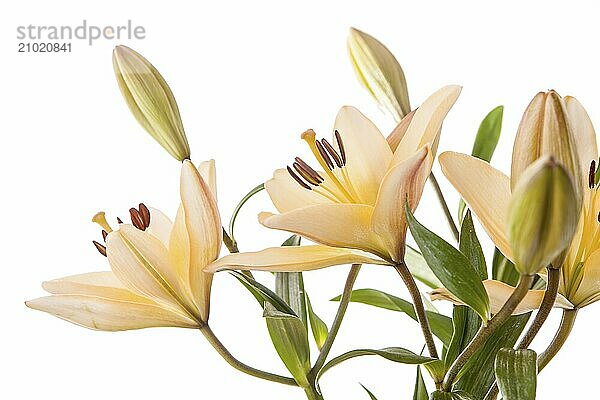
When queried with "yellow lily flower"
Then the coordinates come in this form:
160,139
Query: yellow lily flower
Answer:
354,206
487,192
157,276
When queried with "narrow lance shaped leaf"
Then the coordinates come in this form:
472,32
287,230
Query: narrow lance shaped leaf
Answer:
290,340
516,372
420,392
451,267
419,269
439,395
263,294
485,143
504,270
469,245
371,395
318,327
290,286
441,326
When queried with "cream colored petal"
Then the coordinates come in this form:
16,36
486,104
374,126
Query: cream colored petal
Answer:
141,262
368,154
108,314
499,292
485,189
287,195
589,288
337,225
427,122
395,137
99,284
293,258
160,226
403,182
208,172
583,132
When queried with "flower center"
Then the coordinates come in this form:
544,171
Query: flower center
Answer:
335,185
140,218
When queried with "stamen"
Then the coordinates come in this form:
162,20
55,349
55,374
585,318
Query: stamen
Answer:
592,174
104,234
338,139
598,217
298,179
101,249
145,214
309,170
136,219
119,220
324,154
336,157
100,219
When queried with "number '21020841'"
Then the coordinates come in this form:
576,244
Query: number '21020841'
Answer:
44,47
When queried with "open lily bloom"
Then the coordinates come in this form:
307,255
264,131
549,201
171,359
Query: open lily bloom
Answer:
356,199
157,276
487,191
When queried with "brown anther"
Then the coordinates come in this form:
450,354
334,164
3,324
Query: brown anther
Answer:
324,155
336,157
119,220
599,217
340,144
104,234
309,170
101,249
592,174
298,179
304,174
136,219
145,214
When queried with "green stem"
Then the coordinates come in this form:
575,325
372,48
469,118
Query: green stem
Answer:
484,333
564,330
539,320
312,393
442,200
415,294
337,322
237,209
240,366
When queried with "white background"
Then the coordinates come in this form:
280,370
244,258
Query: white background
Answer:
249,78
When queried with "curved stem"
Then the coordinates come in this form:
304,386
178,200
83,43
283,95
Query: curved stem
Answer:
484,333
415,294
539,320
240,366
337,322
563,332
442,200
237,209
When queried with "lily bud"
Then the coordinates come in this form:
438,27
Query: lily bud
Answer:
379,72
542,215
545,129
150,100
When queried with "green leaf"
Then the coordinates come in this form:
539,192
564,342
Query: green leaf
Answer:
460,395
420,392
477,376
262,293
290,340
318,327
419,269
290,286
436,370
396,354
371,395
469,245
504,270
441,326
452,268
466,324
485,143
516,372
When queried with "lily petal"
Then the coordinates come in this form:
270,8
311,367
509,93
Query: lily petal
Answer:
287,195
337,225
584,134
404,182
397,134
427,122
485,189
589,287
105,314
499,292
160,226
367,152
208,172
293,258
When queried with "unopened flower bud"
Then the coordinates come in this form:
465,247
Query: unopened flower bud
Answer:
150,100
542,215
379,72
545,130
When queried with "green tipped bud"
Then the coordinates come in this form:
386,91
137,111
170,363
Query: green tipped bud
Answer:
150,100
542,215
545,130
379,72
